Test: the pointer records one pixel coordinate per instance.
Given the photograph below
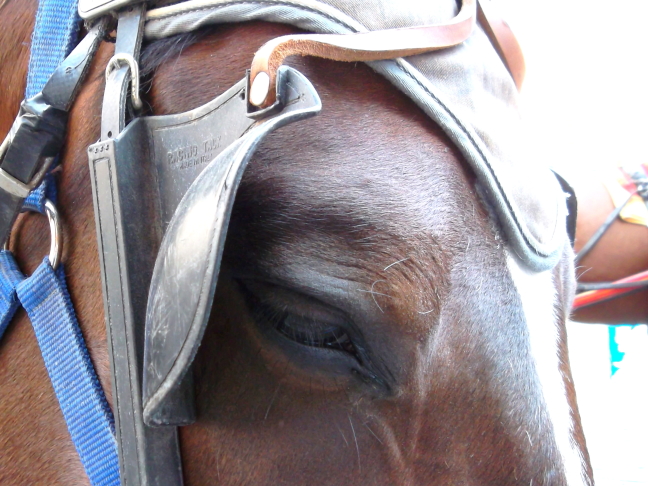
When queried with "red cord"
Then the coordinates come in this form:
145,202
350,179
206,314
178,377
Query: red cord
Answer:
596,296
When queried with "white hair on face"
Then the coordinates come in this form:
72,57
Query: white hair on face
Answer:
538,295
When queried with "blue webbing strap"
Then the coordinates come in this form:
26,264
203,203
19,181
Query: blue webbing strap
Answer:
45,297
46,190
55,35
10,277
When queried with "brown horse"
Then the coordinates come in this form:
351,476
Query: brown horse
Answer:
370,230
621,252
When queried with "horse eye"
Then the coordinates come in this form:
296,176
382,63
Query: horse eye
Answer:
301,319
298,326
309,332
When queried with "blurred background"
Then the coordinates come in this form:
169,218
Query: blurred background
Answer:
586,95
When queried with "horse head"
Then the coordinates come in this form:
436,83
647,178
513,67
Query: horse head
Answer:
372,323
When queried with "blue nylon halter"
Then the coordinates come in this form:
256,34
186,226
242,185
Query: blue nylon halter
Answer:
44,294
55,35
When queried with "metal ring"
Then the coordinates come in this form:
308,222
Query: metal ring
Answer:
56,235
122,58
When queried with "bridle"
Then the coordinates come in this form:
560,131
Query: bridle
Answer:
152,349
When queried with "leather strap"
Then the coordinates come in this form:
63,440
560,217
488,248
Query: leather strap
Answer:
147,456
386,44
128,42
38,132
503,39
363,46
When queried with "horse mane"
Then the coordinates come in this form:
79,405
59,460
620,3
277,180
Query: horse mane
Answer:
160,51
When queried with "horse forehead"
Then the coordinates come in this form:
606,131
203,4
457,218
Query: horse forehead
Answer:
312,216
368,167
365,218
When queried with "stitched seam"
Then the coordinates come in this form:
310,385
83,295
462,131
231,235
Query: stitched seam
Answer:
479,150
279,4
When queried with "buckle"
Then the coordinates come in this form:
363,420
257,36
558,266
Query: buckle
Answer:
119,60
90,9
18,188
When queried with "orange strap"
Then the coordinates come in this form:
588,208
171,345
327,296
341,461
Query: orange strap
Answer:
503,39
378,45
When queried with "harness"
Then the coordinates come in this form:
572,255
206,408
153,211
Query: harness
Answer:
164,186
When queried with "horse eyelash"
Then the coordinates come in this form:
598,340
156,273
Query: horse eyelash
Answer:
338,339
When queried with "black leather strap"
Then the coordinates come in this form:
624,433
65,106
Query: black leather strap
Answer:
39,130
126,235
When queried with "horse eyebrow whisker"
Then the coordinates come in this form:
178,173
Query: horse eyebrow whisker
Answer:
217,466
373,294
529,437
356,442
396,263
372,432
342,434
274,395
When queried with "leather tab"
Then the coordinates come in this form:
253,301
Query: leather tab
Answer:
363,46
